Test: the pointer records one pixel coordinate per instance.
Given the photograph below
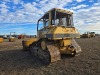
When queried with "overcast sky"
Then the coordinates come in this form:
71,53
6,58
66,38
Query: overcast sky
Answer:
20,16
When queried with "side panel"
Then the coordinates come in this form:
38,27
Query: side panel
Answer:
59,32
62,35
26,43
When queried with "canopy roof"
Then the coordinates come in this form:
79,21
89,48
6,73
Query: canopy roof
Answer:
61,11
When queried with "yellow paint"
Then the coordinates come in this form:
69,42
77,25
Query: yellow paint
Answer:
11,39
1,40
29,41
62,30
65,42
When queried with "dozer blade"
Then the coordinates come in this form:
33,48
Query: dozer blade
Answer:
76,46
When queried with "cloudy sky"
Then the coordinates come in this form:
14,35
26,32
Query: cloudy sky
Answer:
20,16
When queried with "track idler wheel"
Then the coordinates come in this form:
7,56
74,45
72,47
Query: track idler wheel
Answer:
43,45
73,51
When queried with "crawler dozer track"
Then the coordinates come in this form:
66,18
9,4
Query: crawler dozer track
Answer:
51,54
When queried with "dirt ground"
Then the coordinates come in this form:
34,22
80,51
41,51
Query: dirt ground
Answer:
14,61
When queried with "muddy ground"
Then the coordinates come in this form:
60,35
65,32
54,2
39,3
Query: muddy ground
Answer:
13,61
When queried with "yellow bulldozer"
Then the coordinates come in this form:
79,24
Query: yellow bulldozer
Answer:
55,36
92,34
88,35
